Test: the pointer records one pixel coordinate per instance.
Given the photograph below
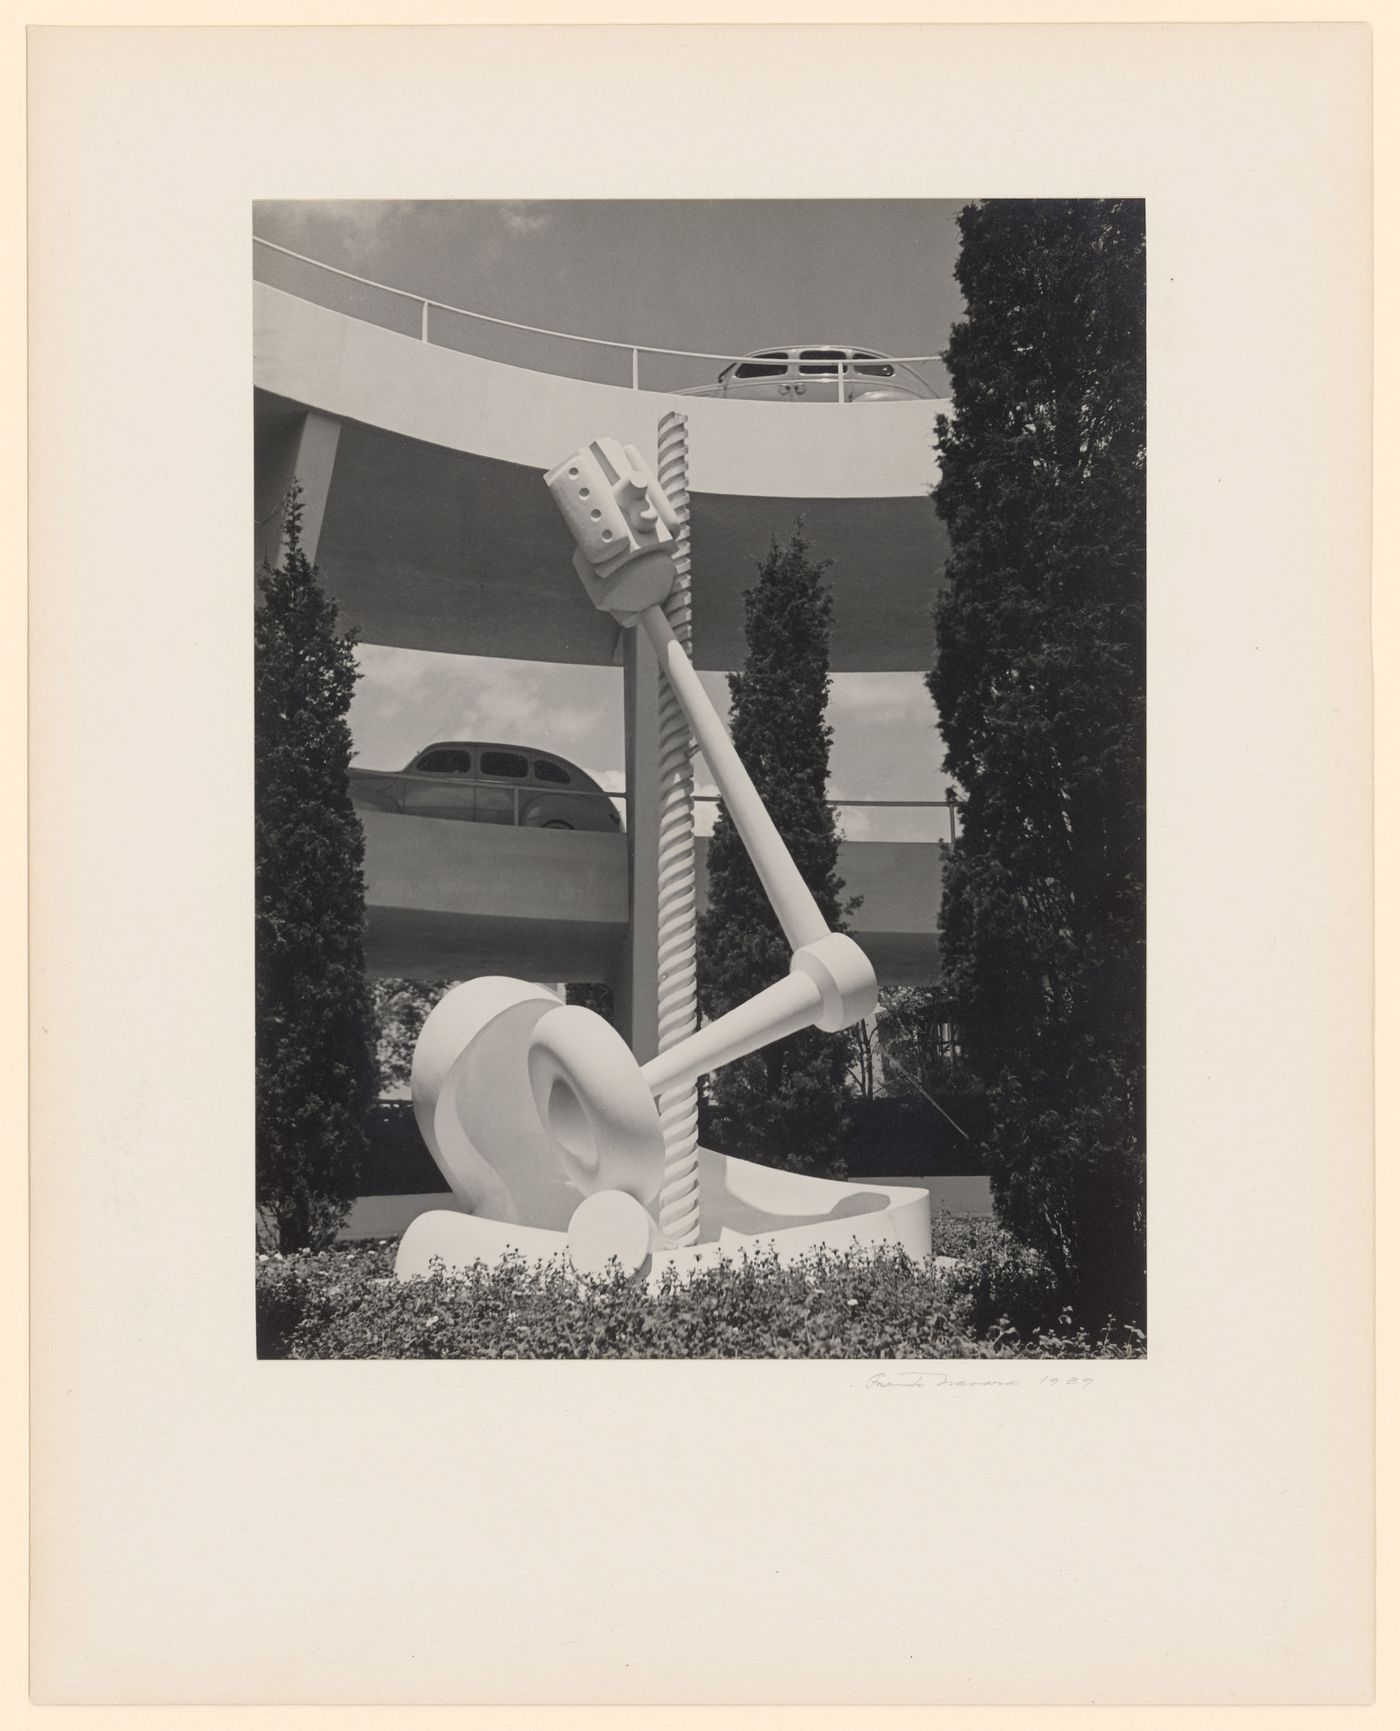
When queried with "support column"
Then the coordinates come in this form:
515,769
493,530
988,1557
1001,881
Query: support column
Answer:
315,464
301,449
635,992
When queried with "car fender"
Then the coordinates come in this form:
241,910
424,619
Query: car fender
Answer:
542,808
580,810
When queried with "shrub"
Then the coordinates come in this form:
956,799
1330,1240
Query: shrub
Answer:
282,1291
786,1104
314,1030
858,1304
1003,1281
1039,679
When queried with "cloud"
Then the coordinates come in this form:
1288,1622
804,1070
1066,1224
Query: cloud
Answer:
429,240
525,219
407,698
854,824
886,743
358,220
879,697
610,780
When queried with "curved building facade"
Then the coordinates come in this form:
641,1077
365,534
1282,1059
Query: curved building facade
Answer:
421,468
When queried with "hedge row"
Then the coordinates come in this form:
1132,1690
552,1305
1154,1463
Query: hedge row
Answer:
876,1304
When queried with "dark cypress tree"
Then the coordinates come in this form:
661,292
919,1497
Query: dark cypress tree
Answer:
314,1024
1040,685
785,1105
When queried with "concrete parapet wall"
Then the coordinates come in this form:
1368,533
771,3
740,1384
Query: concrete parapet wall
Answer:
450,900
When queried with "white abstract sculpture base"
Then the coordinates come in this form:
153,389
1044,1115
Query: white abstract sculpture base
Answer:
783,1213
537,1171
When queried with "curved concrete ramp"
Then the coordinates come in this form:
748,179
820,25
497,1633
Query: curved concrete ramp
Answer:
434,530
450,900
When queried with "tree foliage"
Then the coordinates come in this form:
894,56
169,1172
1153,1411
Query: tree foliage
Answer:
314,1027
911,1038
787,1103
917,1051
863,1058
1039,680
400,1009
593,995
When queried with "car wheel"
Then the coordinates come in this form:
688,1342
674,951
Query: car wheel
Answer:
556,823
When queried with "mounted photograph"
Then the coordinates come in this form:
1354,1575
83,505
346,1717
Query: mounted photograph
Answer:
700,779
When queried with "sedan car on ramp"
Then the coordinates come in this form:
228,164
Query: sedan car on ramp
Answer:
816,373
481,782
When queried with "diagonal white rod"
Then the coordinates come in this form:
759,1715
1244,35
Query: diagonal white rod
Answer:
792,1003
793,903
785,1007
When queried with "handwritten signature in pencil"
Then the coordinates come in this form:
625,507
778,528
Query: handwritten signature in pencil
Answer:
944,1379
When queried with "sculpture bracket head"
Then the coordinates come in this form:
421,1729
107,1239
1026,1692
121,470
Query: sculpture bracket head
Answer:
623,523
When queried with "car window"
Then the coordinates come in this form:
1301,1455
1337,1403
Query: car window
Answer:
884,371
446,762
828,357
755,370
547,771
506,763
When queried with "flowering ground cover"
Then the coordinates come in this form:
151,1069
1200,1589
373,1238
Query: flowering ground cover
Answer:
995,1300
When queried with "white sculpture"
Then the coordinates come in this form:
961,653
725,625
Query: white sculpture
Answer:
528,1105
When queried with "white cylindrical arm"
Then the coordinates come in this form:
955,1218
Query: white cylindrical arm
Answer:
832,985
793,1003
794,904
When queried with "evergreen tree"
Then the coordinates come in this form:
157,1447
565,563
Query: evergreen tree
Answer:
786,1104
314,1025
1039,680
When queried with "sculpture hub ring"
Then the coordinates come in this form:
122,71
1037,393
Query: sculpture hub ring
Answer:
594,1104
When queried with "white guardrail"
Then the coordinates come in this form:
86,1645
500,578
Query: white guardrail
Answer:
425,309
948,805
370,779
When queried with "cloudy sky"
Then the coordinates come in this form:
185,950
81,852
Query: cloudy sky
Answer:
710,275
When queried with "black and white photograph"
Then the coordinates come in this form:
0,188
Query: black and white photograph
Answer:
701,1032
700,789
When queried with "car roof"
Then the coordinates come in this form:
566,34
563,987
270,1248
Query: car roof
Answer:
773,348
504,745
